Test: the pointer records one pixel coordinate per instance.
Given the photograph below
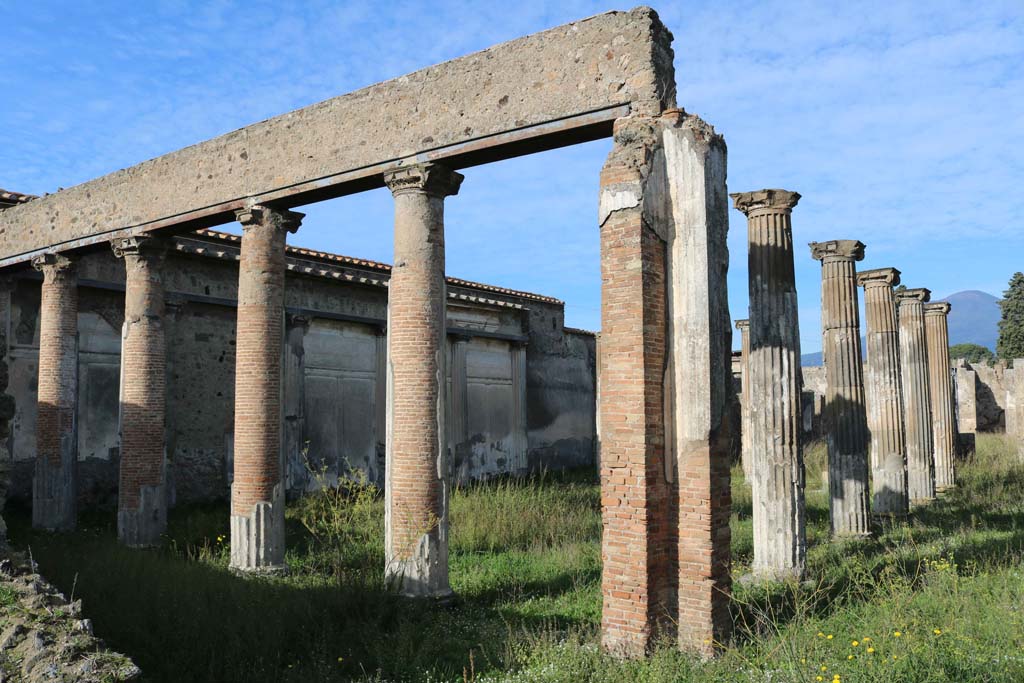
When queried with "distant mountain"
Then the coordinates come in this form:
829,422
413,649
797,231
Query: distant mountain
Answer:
973,319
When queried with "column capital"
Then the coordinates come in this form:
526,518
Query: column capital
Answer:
937,308
761,201
293,320
258,214
919,294
743,325
888,277
429,178
845,250
143,245
53,265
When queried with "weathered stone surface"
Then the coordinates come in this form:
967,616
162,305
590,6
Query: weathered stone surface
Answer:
886,417
966,381
552,88
916,395
940,384
744,327
418,473
257,491
780,537
844,398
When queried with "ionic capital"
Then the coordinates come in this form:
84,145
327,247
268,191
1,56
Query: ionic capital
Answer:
54,266
259,215
742,325
937,308
145,246
844,250
879,277
762,201
919,294
433,179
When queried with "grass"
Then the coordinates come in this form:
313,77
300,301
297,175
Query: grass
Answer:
525,562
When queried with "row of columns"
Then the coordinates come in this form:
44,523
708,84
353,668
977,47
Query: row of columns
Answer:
891,440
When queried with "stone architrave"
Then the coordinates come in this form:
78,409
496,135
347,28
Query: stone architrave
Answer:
418,471
142,491
54,488
257,490
940,384
884,394
744,327
664,383
780,537
844,387
916,395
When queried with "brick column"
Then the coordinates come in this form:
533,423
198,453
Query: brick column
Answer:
744,327
54,486
780,539
257,492
418,476
940,384
844,387
884,395
916,395
142,494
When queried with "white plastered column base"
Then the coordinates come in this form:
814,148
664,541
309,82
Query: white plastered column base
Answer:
257,539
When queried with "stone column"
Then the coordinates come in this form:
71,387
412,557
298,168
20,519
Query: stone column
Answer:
940,384
519,463
297,470
418,476
257,491
54,489
458,437
916,397
744,327
142,490
884,395
844,386
780,537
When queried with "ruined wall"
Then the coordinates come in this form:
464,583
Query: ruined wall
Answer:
338,392
993,383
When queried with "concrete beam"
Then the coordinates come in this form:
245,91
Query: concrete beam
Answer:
550,89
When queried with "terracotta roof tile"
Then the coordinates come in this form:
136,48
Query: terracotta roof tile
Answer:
9,198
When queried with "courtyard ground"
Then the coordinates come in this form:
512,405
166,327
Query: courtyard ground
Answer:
940,598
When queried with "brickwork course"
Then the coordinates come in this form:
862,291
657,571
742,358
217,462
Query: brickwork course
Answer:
846,414
884,395
916,395
53,488
940,384
418,468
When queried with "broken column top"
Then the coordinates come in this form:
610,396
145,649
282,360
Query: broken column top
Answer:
742,324
838,249
918,294
937,308
889,277
765,200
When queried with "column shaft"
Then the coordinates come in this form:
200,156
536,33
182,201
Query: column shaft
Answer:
54,488
257,492
780,540
418,477
844,387
940,384
916,396
884,394
142,495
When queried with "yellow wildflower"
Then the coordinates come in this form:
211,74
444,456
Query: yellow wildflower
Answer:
849,656
824,668
871,650
855,643
829,636
818,678
897,634
937,631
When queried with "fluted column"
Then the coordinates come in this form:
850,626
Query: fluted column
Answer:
780,541
844,386
884,394
257,491
744,327
142,495
916,395
54,487
418,471
940,383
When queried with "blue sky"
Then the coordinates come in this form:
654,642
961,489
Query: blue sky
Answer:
900,123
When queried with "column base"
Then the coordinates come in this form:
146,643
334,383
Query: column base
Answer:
143,526
257,539
54,494
425,574
772,575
